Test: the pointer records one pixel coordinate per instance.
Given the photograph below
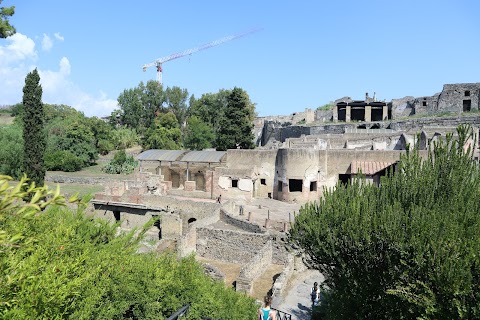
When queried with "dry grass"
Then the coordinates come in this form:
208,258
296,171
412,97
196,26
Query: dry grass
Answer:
6,119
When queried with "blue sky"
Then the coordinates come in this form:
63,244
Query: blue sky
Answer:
309,52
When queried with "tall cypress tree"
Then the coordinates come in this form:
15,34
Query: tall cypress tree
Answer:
33,129
236,124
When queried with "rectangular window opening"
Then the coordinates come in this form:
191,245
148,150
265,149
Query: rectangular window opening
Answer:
295,185
280,184
263,182
467,93
344,179
313,186
467,105
424,103
234,183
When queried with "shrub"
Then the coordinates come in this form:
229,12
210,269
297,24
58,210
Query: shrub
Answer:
62,160
61,264
405,250
121,163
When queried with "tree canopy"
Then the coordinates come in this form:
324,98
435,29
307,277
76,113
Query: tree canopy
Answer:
6,29
235,128
33,129
405,250
61,264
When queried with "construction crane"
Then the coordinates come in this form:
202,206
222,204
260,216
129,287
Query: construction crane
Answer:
158,63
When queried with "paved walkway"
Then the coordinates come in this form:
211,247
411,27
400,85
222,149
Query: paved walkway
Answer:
296,299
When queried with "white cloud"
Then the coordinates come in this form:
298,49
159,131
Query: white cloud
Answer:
58,89
20,49
47,43
19,57
58,36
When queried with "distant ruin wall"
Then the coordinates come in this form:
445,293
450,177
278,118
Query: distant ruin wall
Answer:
241,224
229,246
78,180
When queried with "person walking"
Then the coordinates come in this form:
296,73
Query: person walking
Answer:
266,313
315,294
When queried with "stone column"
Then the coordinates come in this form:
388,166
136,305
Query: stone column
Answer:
385,113
368,113
347,113
335,113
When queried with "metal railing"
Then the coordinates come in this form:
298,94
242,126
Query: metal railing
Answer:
282,315
182,312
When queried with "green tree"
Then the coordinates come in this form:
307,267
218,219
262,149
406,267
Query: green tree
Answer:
124,138
11,152
130,103
236,124
139,106
405,250
75,136
153,98
33,128
198,135
165,134
210,107
103,135
177,103
6,29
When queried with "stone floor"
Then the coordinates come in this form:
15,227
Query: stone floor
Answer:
296,298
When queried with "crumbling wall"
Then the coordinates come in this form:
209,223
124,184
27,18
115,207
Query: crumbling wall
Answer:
459,97
241,224
254,268
187,243
229,246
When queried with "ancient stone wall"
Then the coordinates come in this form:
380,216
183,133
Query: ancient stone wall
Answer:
241,224
229,246
282,281
187,243
459,97
254,268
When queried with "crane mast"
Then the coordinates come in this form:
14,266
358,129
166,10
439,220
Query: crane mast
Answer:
158,63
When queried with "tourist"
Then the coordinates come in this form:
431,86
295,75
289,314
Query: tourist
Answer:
266,313
219,199
315,294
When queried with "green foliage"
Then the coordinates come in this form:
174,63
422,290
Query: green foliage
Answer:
75,136
61,264
405,250
121,163
139,106
177,103
6,29
236,123
123,138
198,135
210,108
165,133
33,129
326,107
11,152
63,160
103,135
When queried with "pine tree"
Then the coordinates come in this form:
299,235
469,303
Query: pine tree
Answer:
33,129
236,124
